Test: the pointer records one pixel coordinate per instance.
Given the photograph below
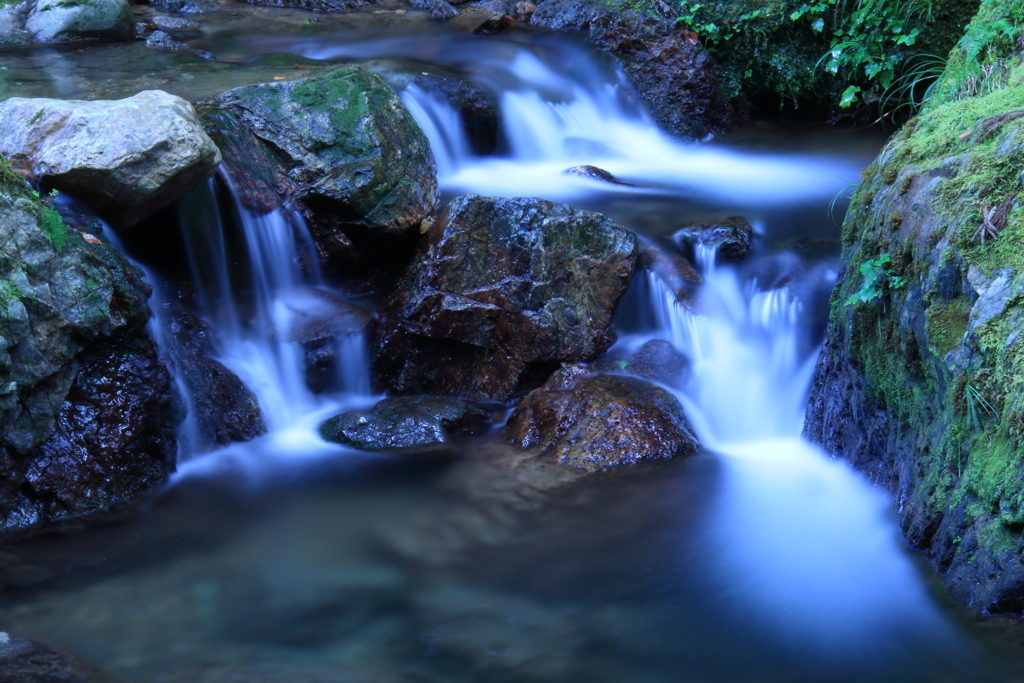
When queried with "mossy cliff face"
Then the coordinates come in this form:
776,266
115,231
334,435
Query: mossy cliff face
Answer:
86,411
923,389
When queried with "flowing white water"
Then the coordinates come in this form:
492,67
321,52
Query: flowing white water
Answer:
256,323
554,121
803,545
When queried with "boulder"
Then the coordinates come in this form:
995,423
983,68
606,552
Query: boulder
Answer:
406,422
600,422
730,238
29,661
125,159
63,20
223,409
503,292
656,361
87,413
677,80
343,149
12,24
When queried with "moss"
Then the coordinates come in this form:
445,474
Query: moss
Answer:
9,291
946,323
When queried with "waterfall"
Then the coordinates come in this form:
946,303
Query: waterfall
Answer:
798,539
250,288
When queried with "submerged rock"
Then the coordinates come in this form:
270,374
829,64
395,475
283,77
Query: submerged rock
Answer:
730,239
87,414
224,410
599,422
319,328
656,361
503,292
344,149
63,20
29,661
406,422
595,173
125,159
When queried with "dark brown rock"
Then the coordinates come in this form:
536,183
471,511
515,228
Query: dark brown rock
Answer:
224,410
673,270
601,422
676,79
730,238
656,361
504,291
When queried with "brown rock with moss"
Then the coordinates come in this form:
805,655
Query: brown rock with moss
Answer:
921,387
600,422
502,293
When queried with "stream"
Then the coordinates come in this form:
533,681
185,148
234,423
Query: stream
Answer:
290,559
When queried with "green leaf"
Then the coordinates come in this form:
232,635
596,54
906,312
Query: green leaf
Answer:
818,25
849,97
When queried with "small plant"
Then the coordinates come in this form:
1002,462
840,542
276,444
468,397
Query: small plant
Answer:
878,278
978,407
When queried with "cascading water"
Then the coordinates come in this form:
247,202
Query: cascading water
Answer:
256,319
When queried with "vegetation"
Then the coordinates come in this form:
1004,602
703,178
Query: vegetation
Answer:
878,279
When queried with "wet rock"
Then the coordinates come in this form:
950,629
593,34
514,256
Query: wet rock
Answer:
503,292
478,107
54,21
479,19
29,661
87,413
601,422
730,238
656,361
524,11
438,9
165,41
223,409
406,422
190,6
595,173
125,159
345,151
674,271
319,326
176,25
320,5
676,79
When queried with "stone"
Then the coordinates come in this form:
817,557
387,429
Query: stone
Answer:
405,422
674,270
64,20
656,361
344,150
677,80
223,409
125,159
164,41
319,326
601,422
12,24
29,661
595,173
502,293
87,410
175,24
730,238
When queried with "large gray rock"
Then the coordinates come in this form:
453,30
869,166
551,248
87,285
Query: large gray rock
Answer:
63,20
125,159
504,291
87,414
12,24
